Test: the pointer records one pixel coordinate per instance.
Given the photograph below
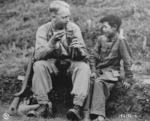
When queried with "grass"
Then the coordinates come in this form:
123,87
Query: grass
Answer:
59,117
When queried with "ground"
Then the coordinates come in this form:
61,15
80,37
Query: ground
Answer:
60,117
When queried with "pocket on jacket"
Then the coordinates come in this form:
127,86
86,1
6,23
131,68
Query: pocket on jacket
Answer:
109,75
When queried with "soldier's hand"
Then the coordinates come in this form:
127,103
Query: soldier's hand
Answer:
69,33
93,76
57,36
75,43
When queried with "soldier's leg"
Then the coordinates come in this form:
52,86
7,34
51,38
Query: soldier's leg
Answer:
80,72
42,82
81,80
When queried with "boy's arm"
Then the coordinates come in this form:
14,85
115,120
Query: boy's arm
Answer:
94,56
126,56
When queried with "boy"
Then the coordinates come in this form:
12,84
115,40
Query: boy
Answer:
105,59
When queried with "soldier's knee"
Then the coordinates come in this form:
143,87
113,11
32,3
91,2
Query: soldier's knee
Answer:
39,65
85,67
98,82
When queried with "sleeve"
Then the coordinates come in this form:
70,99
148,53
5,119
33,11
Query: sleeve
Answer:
43,48
94,56
126,56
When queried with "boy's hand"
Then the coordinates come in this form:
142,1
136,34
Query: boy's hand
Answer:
126,85
127,82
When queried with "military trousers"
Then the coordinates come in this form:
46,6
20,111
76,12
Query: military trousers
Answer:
42,81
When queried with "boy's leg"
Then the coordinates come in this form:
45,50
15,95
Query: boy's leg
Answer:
101,93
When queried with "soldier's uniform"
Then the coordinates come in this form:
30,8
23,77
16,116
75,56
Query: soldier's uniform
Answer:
46,56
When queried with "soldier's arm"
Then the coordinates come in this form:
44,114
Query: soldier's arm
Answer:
43,47
81,47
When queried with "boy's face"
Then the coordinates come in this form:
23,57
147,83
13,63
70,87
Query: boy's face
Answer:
108,30
62,17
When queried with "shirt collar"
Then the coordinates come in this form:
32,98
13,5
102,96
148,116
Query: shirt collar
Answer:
115,37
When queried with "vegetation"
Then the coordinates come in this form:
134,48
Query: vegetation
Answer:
19,20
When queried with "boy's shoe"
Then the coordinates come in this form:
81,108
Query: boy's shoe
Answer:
86,116
99,118
86,119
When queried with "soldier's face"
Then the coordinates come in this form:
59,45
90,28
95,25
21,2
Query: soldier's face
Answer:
62,17
107,29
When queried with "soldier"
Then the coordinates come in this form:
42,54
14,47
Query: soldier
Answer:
105,59
60,47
